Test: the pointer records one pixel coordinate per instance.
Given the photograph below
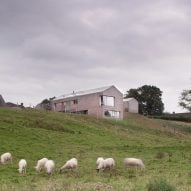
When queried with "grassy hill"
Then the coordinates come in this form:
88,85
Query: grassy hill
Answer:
164,146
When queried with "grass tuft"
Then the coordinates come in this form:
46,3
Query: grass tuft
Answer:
160,185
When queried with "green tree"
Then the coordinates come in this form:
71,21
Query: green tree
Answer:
185,100
45,104
149,98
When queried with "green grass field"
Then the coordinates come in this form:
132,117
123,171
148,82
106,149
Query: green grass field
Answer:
164,146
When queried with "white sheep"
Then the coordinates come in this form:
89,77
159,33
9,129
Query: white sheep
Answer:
70,164
22,166
41,164
6,157
49,166
105,163
134,162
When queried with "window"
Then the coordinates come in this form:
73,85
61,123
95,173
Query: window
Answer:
114,114
81,112
75,101
107,100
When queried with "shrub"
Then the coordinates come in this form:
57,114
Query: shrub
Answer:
160,185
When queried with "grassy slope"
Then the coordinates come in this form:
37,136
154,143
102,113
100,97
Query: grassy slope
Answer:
164,147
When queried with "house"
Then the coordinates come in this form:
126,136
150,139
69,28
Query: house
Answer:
104,102
131,105
9,104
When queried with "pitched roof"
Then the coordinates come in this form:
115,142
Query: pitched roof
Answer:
80,93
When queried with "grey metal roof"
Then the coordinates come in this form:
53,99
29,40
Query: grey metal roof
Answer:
80,93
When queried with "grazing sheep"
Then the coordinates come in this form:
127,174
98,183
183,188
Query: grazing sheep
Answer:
49,166
6,157
70,164
40,164
134,162
22,166
105,163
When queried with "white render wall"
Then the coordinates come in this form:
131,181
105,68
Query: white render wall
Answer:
91,103
131,105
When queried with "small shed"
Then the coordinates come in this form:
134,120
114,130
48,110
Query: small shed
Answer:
130,105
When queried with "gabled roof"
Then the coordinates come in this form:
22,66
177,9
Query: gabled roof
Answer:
80,93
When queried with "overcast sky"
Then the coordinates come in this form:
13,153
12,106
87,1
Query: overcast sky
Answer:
52,47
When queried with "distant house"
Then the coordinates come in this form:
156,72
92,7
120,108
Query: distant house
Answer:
101,102
131,105
13,105
9,104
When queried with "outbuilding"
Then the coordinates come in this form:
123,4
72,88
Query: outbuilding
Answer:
131,105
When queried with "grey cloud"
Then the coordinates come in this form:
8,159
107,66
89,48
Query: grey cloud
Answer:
52,47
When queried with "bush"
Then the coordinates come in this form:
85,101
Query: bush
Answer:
160,185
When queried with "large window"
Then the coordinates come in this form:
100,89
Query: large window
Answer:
107,100
75,101
114,114
81,112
